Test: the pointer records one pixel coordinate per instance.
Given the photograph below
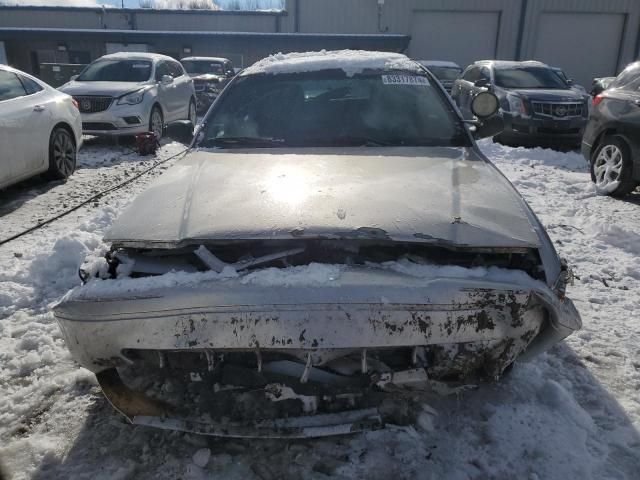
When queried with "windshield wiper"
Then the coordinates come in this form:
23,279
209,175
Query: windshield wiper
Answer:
242,142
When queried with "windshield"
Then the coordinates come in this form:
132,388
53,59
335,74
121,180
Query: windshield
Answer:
529,77
328,108
445,73
117,71
198,67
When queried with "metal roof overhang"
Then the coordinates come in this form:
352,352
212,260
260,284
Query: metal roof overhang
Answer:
396,42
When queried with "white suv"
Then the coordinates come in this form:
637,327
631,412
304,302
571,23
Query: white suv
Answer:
130,93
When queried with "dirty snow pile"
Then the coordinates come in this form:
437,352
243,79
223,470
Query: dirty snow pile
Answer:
572,413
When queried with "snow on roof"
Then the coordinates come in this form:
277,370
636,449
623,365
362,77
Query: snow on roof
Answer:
512,63
351,61
438,63
204,59
136,56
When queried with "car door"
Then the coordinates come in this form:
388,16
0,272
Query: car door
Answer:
167,95
24,127
629,117
183,89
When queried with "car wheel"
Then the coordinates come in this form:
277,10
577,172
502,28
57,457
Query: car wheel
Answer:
156,122
62,154
612,167
192,113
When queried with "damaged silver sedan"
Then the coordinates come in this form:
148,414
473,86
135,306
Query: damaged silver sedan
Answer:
333,247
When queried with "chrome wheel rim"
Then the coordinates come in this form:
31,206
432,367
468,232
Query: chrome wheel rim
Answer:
156,123
64,153
192,113
608,167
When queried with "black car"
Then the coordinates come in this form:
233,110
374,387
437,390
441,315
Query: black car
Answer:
210,75
611,140
539,107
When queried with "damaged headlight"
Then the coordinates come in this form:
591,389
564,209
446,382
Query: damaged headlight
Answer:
132,98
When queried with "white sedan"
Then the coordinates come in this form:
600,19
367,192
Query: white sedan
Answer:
40,129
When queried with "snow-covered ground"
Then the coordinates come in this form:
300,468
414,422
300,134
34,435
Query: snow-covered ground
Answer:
572,413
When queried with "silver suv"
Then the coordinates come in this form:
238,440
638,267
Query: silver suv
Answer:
130,93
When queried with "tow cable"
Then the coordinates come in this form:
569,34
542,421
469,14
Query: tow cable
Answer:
95,197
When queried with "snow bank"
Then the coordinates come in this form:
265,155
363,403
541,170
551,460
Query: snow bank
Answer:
351,62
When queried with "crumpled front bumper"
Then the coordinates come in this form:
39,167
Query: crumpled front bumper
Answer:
470,322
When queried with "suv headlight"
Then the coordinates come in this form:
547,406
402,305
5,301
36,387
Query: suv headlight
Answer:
132,98
517,105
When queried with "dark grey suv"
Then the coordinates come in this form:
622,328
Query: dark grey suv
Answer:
539,107
611,140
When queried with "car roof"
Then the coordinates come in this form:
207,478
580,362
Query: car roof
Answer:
205,59
438,63
351,61
510,63
15,70
136,56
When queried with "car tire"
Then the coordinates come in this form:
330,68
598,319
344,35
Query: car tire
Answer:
156,122
192,114
62,154
612,167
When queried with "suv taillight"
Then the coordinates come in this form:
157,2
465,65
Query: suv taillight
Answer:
597,99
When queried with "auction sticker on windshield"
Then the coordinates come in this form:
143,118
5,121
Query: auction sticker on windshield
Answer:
404,80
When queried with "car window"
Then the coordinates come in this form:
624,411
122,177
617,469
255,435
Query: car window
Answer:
485,74
471,74
116,70
162,69
528,77
445,73
198,67
175,69
29,85
10,86
628,76
329,108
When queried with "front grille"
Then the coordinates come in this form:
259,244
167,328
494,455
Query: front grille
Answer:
199,85
98,126
558,109
93,104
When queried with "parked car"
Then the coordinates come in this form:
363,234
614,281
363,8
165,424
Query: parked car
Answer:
600,85
569,81
210,75
334,238
40,129
611,142
539,107
445,72
130,93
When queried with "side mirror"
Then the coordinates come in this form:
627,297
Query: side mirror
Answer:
73,77
230,73
485,106
570,82
166,79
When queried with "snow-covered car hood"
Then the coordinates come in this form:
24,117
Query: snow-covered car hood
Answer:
111,89
423,194
551,95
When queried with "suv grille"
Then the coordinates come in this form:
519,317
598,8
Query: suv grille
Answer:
93,104
558,110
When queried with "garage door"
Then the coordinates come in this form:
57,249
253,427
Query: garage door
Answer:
560,34
462,37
